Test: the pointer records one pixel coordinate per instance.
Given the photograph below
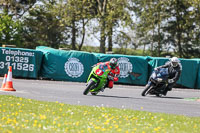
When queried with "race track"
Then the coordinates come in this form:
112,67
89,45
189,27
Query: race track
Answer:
121,96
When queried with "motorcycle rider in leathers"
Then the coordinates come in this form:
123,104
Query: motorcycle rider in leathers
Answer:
113,66
174,68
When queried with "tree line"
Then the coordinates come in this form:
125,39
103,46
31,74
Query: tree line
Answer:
161,27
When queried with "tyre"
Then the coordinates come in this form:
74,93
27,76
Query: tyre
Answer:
158,95
87,89
146,90
94,93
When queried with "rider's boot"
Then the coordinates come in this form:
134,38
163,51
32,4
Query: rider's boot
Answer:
110,84
168,88
103,88
165,92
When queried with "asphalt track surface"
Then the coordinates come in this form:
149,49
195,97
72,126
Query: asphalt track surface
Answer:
121,96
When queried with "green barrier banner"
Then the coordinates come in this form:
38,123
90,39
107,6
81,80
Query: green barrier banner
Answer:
189,73
198,75
189,70
66,65
198,78
133,69
25,62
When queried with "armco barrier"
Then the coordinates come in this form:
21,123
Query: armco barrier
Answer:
189,70
66,65
133,69
25,62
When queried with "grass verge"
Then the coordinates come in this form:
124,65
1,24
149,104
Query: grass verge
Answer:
20,115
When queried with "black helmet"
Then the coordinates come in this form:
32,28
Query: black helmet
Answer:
113,63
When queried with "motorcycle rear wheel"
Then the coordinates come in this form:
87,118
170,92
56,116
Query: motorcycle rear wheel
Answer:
146,90
88,88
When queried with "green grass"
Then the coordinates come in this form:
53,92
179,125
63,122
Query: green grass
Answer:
20,115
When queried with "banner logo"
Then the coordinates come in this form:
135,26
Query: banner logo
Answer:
74,68
125,67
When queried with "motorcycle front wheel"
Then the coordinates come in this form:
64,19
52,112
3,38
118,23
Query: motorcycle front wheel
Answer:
146,90
88,88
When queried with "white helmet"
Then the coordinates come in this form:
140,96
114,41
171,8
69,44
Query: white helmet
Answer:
174,61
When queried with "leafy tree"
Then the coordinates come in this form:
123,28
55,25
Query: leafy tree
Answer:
171,24
180,26
102,12
123,40
10,25
10,30
77,13
110,14
118,16
151,15
43,26
17,8
195,33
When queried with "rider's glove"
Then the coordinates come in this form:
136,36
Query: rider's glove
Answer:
94,65
110,77
170,81
159,79
155,69
115,78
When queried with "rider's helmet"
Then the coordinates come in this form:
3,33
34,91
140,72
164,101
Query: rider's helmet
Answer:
113,63
174,61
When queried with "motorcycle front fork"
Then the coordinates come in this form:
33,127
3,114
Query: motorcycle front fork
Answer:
149,83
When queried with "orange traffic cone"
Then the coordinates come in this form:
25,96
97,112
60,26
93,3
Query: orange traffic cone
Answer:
4,81
9,83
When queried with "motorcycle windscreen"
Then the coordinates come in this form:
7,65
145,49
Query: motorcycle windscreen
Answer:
163,72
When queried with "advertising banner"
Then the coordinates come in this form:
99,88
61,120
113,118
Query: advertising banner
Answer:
198,77
197,84
25,62
188,74
133,69
66,65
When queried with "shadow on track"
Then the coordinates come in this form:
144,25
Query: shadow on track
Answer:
115,96
168,97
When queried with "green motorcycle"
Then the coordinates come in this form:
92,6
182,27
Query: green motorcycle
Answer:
97,79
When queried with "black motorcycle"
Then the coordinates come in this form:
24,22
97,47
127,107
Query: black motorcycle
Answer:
157,82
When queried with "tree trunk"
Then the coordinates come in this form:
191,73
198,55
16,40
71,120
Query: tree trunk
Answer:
179,31
73,43
102,12
159,33
110,33
103,38
144,48
159,41
83,37
151,49
179,45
